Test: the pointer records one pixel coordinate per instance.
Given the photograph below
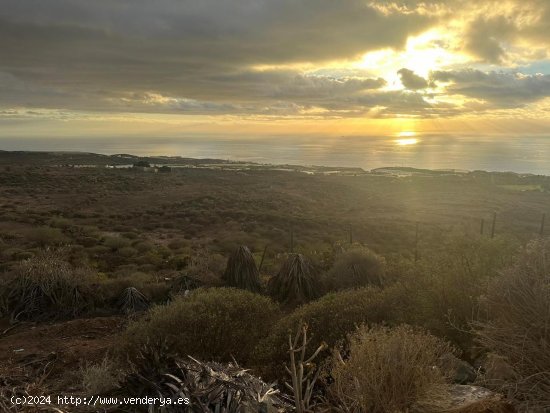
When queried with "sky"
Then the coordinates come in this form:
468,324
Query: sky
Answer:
252,67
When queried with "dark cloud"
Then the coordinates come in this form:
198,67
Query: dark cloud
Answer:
170,45
485,37
504,90
202,57
411,80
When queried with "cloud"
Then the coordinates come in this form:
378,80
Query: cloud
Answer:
88,55
484,37
411,80
204,57
503,90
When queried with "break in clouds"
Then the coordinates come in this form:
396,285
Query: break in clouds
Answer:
277,58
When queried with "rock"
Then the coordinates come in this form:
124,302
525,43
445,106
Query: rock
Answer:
458,370
497,370
475,399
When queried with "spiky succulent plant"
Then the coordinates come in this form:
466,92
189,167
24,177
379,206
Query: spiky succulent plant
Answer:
295,283
133,301
210,387
241,271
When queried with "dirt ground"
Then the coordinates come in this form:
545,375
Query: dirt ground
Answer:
49,356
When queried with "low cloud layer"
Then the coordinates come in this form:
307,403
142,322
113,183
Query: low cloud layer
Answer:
286,58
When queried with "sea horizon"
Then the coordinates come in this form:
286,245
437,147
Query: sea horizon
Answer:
527,154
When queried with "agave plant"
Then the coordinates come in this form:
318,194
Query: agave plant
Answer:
241,271
210,387
295,282
133,301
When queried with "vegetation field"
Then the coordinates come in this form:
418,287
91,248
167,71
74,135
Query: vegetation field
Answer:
109,272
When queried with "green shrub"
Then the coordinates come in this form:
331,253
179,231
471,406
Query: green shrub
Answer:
46,236
60,222
11,253
112,288
215,323
127,252
389,370
24,255
356,267
143,246
116,243
329,319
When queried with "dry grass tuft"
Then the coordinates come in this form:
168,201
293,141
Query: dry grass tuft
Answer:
389,370
518,305
47,286
100,378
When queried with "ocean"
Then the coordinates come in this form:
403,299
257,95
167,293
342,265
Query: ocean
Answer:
522,154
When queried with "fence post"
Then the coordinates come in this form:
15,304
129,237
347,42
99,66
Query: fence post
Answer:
494,225
262,260
542,225
416,243
482,225
350,234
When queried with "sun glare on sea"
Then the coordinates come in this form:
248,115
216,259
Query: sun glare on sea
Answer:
406,138
406,142
406,134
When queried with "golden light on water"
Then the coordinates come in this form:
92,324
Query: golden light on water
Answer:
406,138
406,142
406,134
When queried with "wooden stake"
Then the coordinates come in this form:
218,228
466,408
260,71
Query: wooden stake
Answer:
350,234
262,260
416,243
494,225
482,225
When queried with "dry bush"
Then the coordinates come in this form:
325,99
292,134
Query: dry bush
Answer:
389,370
241,271
214,323
100,378
206,267
446,285
518,310
47,286
357,267
295,283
